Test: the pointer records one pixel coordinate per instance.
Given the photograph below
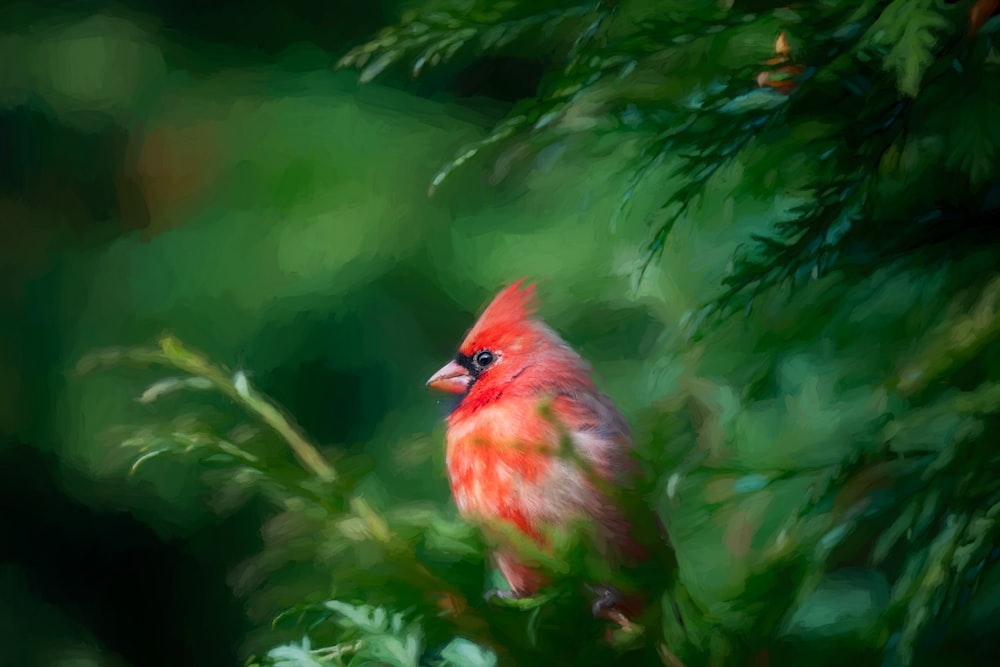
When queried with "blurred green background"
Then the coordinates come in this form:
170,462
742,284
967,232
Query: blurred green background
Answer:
203,170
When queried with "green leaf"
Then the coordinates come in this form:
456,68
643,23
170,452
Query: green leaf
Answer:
909,30
169,385
363,617
973,130
391,650
462,653
295,655
846,602
146,457
755,100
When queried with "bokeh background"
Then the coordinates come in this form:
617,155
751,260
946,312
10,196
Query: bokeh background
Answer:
204,170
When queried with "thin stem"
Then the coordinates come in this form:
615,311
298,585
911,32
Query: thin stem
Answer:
173,353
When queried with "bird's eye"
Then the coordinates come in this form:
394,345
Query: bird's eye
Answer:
484,358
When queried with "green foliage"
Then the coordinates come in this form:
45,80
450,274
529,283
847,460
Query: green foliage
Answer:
907,33
319,512
860,107
437,35
825,465
681,74
325,517
372,636
384,640
924,545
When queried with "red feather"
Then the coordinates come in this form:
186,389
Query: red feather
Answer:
504,438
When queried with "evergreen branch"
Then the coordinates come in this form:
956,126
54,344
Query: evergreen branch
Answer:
186,436
956,341
809,244
814,243
173,354
948,522
503,131
961,500
376,528
907,31
436,37
908,38
803,248
921,588
701,165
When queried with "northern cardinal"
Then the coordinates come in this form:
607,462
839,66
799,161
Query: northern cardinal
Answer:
524,394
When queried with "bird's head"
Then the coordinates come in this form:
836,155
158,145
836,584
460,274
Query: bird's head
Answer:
502,345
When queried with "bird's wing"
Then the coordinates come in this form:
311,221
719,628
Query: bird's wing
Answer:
601,436
598,431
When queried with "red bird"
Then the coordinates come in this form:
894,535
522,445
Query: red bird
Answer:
524,392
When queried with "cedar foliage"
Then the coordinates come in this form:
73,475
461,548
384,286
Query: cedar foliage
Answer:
879,120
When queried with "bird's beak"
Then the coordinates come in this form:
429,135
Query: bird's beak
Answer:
452,378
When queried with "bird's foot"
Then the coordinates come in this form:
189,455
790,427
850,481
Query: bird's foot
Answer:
607,597
610,604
